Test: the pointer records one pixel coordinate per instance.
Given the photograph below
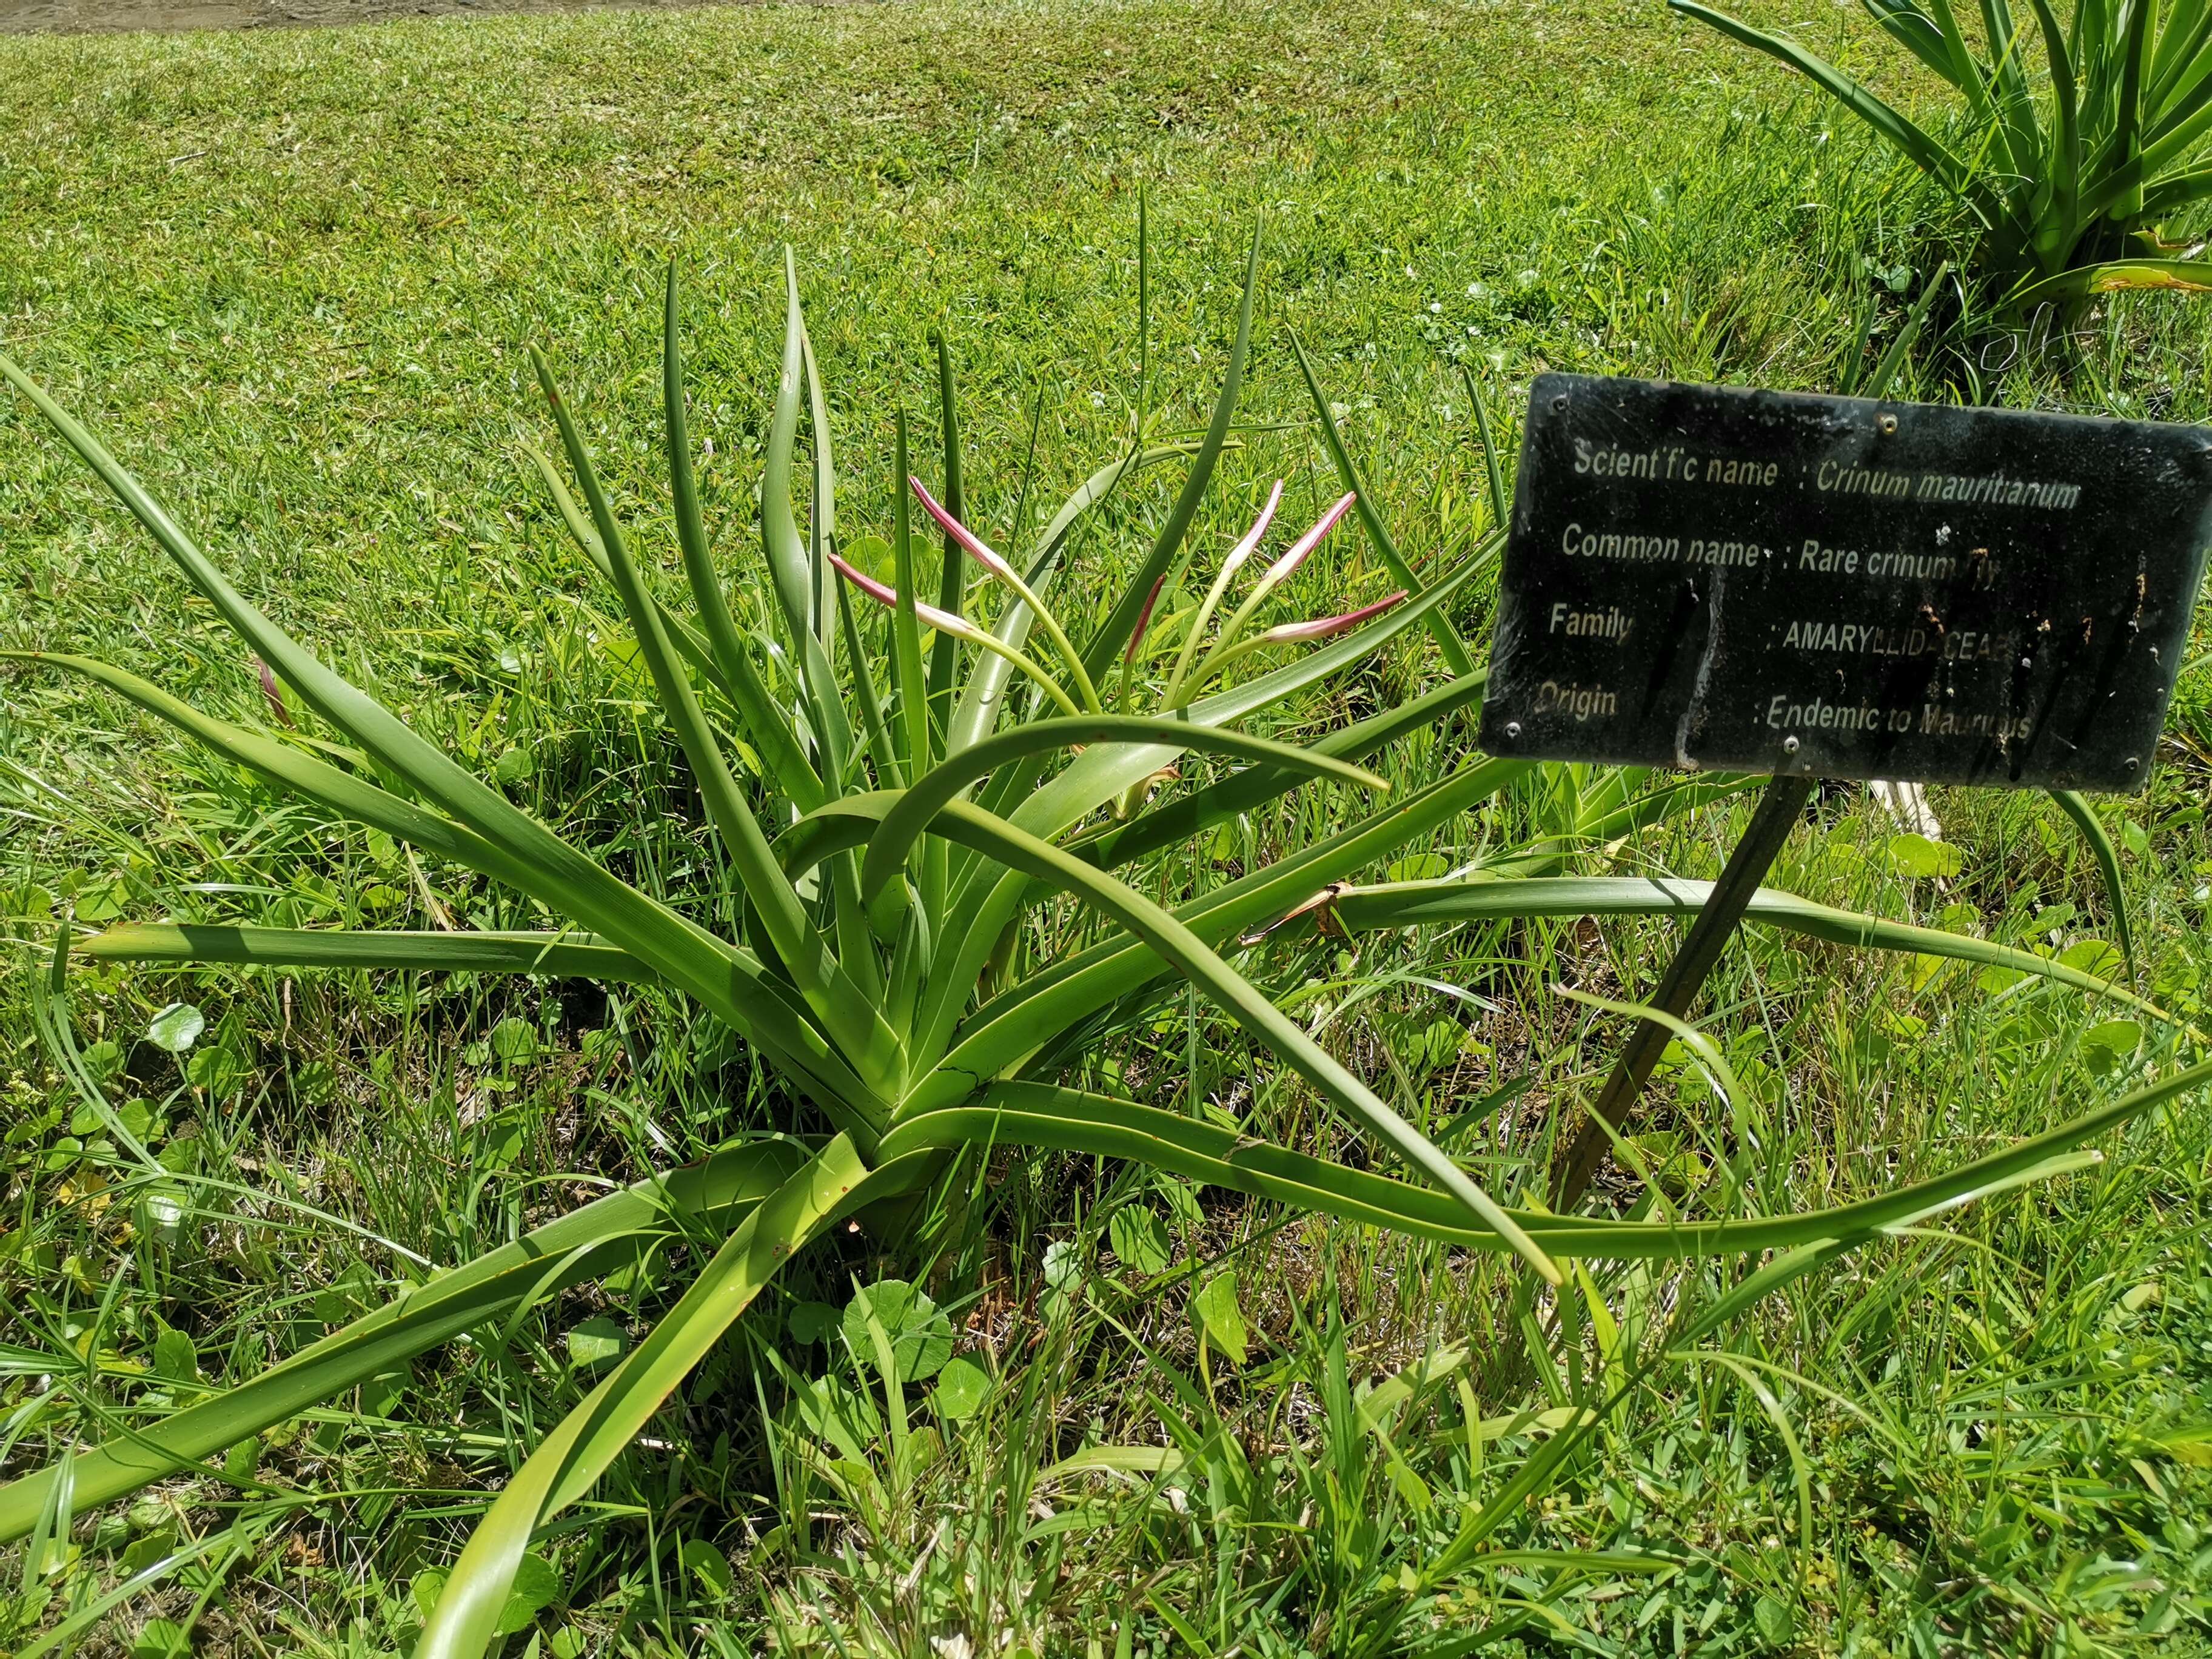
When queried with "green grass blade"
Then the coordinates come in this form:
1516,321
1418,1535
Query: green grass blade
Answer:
1378,535
1098,655
590,1241
2108,867
1878,384
1501,504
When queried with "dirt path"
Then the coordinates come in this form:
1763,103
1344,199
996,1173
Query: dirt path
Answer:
80,17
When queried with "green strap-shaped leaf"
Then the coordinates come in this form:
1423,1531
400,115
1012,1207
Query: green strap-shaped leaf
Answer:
1418,904
2065,160
1184,816
1191,956
557,955
729,982
1911,140
1043,1114
904,823
1011,1025
791,565
2177,191
589,1241
952,585
1378,535
687,639
828,1187
843,1009
874,725
1919,34
2127,117
765,728
2116,276
531,857
1099,776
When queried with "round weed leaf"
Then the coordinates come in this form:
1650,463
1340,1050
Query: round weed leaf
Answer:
1215,1308
176,1028
920,1336
1063,1265
961,1389
810,1321
709,1566
536,1587
1917,855
1140,1238
2104,1047
594,1342
513,1040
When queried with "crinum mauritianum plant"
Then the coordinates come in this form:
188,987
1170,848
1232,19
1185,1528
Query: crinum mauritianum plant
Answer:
930,800
2068,182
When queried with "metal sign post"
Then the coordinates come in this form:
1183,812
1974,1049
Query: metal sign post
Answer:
1780,805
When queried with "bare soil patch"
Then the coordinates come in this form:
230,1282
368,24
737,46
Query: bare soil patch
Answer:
105,16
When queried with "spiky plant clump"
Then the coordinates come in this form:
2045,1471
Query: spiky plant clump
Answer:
2069,184
941,792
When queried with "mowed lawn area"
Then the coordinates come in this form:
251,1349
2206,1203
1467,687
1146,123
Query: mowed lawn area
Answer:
291,277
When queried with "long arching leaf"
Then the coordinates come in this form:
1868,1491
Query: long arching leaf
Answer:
829,1186
587,1241
904,823
1191,956
1041,1115
559,955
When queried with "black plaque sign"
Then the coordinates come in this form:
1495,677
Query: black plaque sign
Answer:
1767,582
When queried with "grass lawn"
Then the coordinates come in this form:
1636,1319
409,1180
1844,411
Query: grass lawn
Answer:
290,278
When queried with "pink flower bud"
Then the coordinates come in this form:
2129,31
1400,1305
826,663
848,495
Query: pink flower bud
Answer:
1306,543
1145,616
1243,550
944,620
961,533
868,584
1321,627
